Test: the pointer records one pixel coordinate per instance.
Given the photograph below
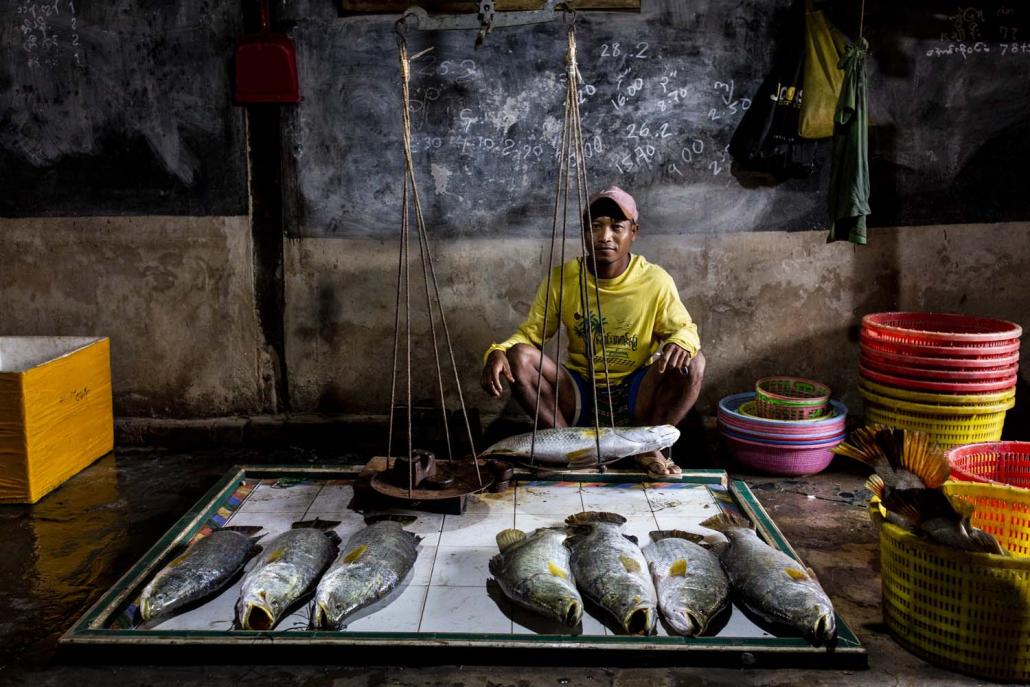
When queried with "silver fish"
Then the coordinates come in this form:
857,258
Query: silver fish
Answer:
534,571
692,587
370,565
771,584
611,571
203,569
576,447
287,569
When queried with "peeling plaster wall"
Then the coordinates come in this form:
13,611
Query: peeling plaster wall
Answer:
766,302
174,294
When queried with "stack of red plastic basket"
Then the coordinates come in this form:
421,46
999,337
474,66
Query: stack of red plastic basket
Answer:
952,376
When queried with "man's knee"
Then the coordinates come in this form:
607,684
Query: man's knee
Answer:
697,368
523,360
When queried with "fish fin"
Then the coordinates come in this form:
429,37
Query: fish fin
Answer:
630,564
986,542
355,553
390,517
509,538
249,530
496,565
876,485
678,568
796,574
925,459
919,505
962,507
726,521
275,555
632,538
583,457
317,524
589,517
333,537
556,570
659,535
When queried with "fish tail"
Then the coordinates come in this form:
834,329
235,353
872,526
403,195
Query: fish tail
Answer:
659,535
863,446
317,524
591,517
390,517
724,522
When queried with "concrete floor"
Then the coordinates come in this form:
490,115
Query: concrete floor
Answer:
61,554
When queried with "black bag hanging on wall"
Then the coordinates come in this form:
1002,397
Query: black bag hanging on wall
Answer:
767,139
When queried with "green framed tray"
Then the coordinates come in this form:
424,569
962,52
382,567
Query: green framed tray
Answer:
98,635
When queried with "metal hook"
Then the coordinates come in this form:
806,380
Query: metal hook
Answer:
568,13
400,27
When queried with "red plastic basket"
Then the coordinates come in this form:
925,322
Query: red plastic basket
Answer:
973,350
985,374
993,462
944,387
940,328
780,460
934,363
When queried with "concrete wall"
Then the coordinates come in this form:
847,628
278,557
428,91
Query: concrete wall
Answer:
176,296
766,303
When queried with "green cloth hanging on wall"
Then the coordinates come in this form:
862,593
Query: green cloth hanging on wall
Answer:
849,170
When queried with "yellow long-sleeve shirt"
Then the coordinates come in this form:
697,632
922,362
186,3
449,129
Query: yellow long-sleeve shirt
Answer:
640,309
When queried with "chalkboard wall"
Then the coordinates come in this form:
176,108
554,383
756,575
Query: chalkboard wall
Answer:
665,89
119,107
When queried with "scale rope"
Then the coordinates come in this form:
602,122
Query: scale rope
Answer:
432,287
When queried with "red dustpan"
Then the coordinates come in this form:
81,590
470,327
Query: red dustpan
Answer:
266,66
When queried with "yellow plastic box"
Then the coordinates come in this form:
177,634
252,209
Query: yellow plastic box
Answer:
56,414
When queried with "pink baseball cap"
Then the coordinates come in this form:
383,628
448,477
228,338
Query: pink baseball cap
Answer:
621,198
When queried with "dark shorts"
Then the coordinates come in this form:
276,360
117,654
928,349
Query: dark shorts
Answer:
623,396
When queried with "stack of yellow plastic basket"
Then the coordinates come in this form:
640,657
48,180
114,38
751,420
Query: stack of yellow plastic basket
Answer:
951,376
968,612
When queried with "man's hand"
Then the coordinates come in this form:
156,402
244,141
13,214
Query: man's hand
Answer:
496,365
674,357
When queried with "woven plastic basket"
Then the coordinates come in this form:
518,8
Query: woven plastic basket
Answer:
966,612
781,460
982,400
943,328
947,431
943,363
790,398
980,374
992,462
952,387
908,346
740,408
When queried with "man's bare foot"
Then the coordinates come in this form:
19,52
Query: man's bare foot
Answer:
657,464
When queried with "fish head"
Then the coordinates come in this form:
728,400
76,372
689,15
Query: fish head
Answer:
823,625
639,619
685,621
557,598
155,604
650,438
256,611
338,596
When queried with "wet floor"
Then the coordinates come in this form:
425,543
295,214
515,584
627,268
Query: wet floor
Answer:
63,553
